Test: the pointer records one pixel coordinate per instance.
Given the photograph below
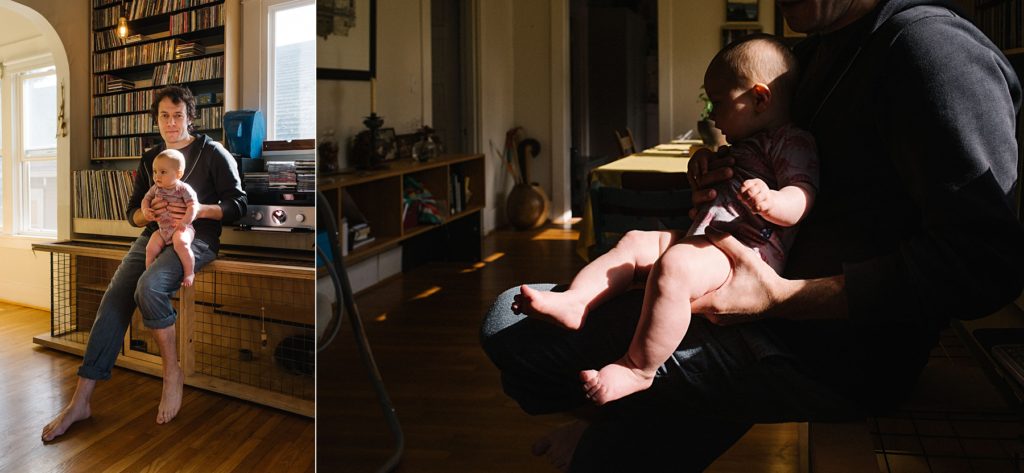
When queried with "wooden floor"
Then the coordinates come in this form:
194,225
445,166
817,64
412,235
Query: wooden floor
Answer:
212,433
423,329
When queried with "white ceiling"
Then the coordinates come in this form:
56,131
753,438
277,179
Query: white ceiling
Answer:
15,27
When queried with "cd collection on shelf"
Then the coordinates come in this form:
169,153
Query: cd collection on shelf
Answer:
180,42
142,123
189,71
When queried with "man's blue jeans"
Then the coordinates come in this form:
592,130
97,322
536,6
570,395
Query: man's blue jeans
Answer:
134,285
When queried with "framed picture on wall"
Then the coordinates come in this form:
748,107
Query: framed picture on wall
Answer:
346,45
741,10
733,31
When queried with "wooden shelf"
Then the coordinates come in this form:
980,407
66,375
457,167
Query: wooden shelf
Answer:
379,196
194,34
133,112
220,42
230,235
225,311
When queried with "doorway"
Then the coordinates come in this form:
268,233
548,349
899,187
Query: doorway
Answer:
448,74
613,50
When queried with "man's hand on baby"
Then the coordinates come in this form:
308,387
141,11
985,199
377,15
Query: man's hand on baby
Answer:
757,196
751,289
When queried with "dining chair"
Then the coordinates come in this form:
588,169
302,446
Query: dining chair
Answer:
616,211
626,144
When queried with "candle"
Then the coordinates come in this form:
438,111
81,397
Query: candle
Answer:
373,95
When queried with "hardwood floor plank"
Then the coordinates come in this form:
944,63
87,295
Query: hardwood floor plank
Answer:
423,329
122,434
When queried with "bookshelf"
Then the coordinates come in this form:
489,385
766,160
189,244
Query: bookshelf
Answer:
456,183
193,43
186,42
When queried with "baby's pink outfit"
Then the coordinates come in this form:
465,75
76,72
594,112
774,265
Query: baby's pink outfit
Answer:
181,193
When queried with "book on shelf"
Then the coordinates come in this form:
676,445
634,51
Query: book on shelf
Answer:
343,236
361,243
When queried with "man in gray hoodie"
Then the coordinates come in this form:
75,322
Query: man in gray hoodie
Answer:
914,114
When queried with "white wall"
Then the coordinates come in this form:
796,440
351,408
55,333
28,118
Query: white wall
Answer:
64,32
26,279
689,35
403,79
29,281
495,98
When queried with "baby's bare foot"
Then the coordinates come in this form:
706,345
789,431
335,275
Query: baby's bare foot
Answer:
72,413
170,399
614,381
561,308
188,280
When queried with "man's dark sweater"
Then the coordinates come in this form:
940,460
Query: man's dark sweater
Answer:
212,173
915,126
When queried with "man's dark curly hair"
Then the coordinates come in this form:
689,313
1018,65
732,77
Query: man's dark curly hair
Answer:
177,94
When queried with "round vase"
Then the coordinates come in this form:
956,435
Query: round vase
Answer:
527,206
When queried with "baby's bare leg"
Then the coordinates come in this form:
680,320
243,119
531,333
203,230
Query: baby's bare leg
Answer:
183,247
154,247
685,272
608,275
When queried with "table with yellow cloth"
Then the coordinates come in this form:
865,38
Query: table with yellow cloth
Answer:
648,163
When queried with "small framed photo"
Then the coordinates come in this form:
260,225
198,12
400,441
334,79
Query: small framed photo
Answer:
404,145
733,31
387,144
741,10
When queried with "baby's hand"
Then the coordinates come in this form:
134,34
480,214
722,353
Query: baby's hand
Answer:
149,214
757,196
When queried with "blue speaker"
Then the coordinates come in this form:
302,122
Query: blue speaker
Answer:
244,131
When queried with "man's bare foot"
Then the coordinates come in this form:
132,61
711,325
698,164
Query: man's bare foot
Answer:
188,279
560,308
170,399
615,381
559,444
73,412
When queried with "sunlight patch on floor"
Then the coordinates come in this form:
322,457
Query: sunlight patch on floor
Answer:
427,293
494,257
381,318
475,267
558,234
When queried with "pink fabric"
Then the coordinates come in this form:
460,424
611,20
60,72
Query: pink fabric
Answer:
180,193
780,157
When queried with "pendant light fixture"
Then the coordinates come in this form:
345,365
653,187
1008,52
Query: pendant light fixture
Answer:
122,23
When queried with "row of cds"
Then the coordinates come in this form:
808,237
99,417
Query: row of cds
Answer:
138,9
137,101
134,55
142,123
189,71
205,18
122,147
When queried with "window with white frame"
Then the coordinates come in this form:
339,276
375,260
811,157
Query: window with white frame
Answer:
291,69
28,161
